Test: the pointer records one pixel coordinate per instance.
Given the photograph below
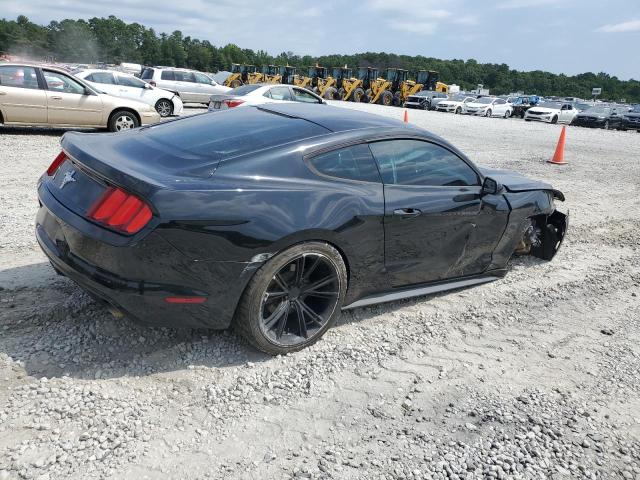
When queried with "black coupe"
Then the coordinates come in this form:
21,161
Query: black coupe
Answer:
274,218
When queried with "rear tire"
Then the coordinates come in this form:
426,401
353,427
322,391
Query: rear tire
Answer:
121,120
280,311
507,114
164,107
489,113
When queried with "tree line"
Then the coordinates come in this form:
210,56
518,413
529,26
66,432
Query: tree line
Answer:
111,40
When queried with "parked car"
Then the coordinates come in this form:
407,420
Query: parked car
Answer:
424,99
31,94
191,86
551,112
489,107
274,218
600,117
631,119
456,104
126,85
258,94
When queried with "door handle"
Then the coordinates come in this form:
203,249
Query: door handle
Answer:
56,98
407,212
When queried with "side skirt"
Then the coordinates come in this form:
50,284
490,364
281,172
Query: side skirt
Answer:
426,289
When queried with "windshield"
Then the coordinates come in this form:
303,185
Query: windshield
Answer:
635,109
554,105
485,100
243,90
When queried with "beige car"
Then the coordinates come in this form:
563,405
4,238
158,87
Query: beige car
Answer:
46,96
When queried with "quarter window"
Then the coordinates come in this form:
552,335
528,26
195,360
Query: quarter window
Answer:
20,77
414,162
167,75
184,76
202,78
352,163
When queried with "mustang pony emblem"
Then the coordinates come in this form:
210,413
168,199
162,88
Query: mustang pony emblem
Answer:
68,178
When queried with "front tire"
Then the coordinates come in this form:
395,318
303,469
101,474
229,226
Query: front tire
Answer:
330,94
554,120
164,107
386,98
507,114
606,125
293,299
121,120
489,113
458,111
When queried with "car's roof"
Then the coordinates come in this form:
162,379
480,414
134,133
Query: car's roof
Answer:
34,65
105,70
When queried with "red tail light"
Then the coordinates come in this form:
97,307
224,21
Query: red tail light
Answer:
233,103
56,163
121,211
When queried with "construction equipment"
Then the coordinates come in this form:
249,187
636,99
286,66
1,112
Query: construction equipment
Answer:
290,76
321,83
377,90
429,81
234,80
349,87
271,74
242,75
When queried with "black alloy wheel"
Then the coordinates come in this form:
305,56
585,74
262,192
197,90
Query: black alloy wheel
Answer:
293,299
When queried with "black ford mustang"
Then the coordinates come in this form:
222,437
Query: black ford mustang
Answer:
274,218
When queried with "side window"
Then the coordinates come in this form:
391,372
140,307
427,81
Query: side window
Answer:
352,163
20,77
167,75
500,102
414,162
59,82
127,81
184,77
280,93
202,78
306,97
102,77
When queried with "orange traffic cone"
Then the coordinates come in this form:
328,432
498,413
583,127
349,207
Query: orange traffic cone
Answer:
558,157
406,116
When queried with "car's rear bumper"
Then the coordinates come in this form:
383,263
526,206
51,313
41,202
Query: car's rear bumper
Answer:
137,279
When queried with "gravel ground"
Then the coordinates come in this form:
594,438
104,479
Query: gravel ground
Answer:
534,376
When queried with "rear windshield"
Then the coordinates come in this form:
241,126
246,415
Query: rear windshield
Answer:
243,90
226,134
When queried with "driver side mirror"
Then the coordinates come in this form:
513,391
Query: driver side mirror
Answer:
490,186
87,91
148,87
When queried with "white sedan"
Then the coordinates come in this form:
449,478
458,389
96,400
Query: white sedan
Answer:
490,107
126,85
552,112
456,104
258,94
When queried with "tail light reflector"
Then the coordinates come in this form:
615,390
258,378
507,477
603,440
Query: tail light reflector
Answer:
188,300
121,211
233,103
56,163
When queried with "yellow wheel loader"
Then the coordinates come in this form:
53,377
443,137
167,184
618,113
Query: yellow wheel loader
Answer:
290,77
271,74
429,81
377,90
235,79
321,83
349,87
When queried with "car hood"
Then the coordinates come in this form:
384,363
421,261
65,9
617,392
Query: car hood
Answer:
516,182
478,105
543,110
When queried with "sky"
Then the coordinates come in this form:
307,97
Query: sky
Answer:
561,36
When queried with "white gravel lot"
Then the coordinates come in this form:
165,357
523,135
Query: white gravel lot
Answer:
534,376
